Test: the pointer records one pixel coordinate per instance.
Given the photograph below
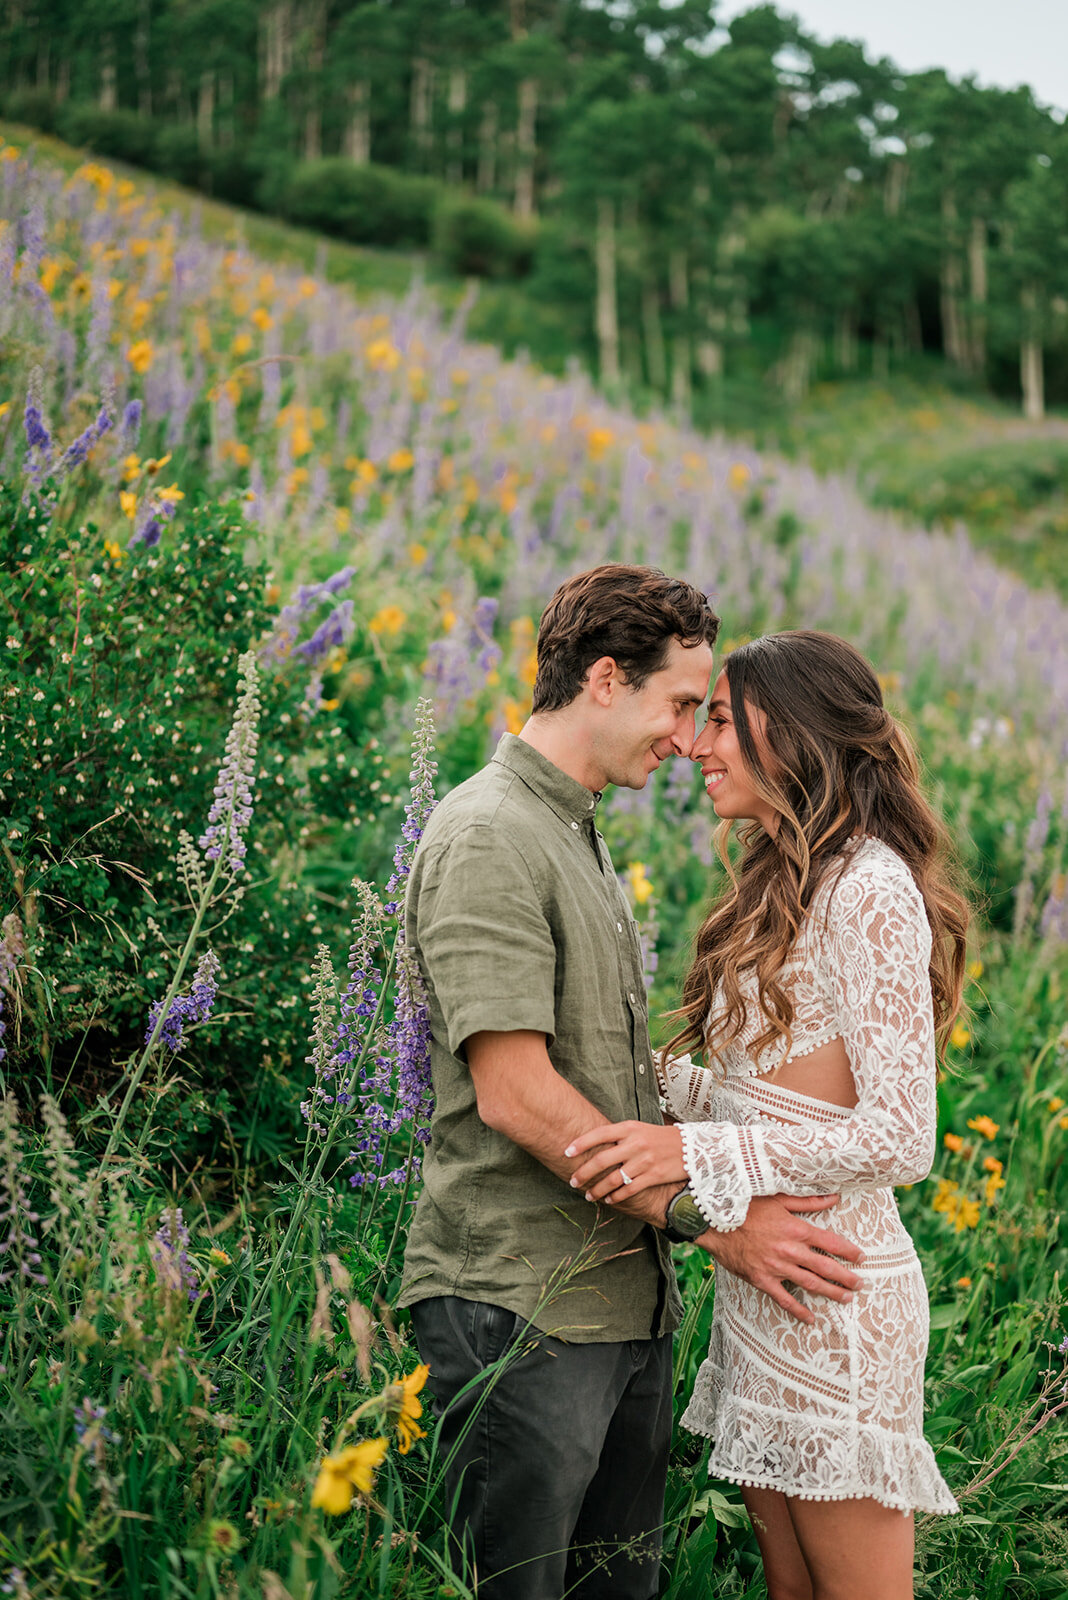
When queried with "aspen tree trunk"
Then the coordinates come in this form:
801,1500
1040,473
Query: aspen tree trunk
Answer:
1032,377
607,315
63,81
454,171
142,70
486,181
845,341
422,80
276,47
313,110
978,286
679,289
206,110
653,331
108,99
526,148
225,131
953,340
43,64
357,138
629,260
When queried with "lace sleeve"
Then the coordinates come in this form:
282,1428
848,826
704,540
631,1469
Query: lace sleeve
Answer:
685,1088
875,956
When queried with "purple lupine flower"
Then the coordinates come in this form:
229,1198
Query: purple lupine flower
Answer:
186,1008
307,597
148,533
131,424
422,798
1062,1348
231,809
459,663
19,1244
38,437
78,451
331,633
170,1253
88,1415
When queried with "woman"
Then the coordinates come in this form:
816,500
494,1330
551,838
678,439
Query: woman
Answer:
820,981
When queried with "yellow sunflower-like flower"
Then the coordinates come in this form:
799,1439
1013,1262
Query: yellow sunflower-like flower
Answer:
341,1475
403,1407
985,1126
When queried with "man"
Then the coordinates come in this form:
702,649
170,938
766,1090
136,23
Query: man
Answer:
539,1032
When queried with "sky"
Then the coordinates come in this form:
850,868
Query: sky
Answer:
1001,44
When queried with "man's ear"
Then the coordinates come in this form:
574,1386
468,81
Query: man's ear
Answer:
603,680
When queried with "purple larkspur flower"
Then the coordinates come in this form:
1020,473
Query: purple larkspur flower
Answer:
38,438
231,809
421,799
307,597
1062,1348
170,1254
331,634
89,1416
186,1008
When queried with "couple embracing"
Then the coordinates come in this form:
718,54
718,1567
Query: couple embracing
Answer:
566,1157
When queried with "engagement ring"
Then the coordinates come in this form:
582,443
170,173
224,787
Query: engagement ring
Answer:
623,1175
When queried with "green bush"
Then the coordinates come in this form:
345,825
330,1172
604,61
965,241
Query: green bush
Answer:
122,135
34,107
116,692
364,204
178,154
478,238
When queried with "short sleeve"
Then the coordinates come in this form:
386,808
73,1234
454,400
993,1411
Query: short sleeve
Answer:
482,939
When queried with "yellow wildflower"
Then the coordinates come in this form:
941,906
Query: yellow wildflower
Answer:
296,480
220,1257
401,460
739,475
598,441
329,705
975,970
959,1037
262,318
994,1182
342,519
515,715
390,619
641,888
241,344
114,551
446,474
1063,1122
952,1141
1055,1104
140,354
307,287
351,1469
945,1200
964,1283
967,1215
128,502
402,1407
131,467
383,356
301,441
10,152
985,1126
417,554
460,376
152,466
5,406
528,670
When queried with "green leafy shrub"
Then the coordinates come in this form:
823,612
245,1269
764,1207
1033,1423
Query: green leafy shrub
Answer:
34,107
364,204
115,695
123,135
479,238
178,154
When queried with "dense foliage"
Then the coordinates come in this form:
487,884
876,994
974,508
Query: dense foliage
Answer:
374,508
723,201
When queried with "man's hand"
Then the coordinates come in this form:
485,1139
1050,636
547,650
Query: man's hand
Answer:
775,1246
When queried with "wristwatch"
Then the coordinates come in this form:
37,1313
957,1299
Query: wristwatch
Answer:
684,1220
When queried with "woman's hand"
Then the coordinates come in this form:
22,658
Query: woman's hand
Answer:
628,1157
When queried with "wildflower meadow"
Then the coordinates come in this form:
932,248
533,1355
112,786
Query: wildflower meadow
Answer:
273,559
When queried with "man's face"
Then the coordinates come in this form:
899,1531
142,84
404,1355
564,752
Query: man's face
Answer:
647,725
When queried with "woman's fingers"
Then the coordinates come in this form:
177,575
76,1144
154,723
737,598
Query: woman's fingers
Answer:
610,1133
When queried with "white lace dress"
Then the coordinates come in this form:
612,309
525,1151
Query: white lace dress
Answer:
831,1411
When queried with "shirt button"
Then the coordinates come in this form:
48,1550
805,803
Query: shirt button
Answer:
619,927
641,1067
632,1000
575,826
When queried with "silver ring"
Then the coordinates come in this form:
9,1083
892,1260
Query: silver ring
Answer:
623,1175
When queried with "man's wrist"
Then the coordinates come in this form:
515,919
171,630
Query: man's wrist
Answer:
684,1221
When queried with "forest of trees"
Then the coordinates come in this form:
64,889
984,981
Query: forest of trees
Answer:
707,196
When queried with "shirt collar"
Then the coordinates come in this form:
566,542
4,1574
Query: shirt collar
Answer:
571,800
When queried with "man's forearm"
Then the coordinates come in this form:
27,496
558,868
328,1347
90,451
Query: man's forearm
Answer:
521,1095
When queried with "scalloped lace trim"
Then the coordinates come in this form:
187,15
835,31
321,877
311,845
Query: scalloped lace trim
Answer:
818,1460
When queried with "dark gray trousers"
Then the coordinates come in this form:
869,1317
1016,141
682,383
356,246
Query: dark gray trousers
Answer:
557,1487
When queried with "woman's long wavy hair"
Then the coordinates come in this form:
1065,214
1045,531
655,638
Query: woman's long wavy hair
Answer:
834,763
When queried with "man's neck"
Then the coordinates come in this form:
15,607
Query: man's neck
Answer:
557,737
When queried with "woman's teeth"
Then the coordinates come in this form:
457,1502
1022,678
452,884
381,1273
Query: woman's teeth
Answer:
713,780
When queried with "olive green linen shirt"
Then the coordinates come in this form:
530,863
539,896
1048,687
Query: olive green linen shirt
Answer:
517,921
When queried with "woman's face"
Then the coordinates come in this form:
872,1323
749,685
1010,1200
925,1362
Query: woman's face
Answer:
727,778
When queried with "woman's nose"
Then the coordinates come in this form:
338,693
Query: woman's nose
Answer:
702,745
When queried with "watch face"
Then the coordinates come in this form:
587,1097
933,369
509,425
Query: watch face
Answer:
685,1217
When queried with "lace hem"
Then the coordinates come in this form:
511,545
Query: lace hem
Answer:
814,1459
